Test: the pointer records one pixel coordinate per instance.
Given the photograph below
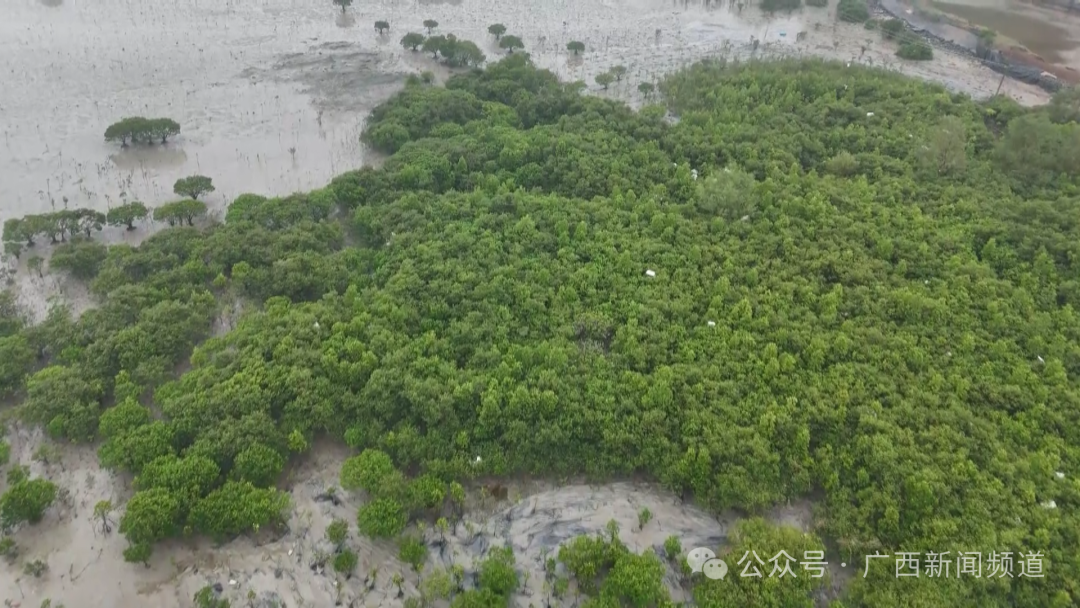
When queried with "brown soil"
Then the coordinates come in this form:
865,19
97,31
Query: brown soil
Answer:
1022,55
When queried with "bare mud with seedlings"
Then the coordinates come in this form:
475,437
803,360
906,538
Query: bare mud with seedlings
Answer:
86,567
271,95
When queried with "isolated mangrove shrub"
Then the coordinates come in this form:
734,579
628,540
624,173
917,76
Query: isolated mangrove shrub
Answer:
892,29
852,11
510,43
497,30
25,501
382,518
917,50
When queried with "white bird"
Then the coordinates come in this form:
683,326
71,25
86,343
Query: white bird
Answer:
316,326
712,323
1040,359
650,273
477,461
869,114
1059,474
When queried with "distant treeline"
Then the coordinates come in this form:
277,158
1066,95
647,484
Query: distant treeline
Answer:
135,129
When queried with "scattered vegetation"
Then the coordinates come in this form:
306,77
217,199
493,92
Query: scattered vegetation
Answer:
576,47
382,27
497,30
430,25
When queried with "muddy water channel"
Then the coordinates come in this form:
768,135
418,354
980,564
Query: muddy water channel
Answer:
271,94
1045,32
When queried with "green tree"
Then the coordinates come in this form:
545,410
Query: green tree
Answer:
151,515
258,464
134,449
345,562
127,214
366,470
618,71
382,26
637,580
17,359
646,89
1064,106
193,186
433,44
344,4
122,418
337,533
605,79
25,502
412,551
179,211
188,478
497,30
81,257
430,24
103,514
236,508
497,573
382,518
510,43
945,152
576,47
413,41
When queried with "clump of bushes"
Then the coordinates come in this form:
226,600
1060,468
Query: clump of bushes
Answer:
135,129
852,11
917,50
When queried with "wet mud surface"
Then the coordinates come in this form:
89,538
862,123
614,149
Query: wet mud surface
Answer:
271,95
86,567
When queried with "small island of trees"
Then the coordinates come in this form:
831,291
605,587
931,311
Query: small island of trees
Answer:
136,129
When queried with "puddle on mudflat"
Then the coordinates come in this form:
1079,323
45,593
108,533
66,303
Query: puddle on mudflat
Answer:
272,95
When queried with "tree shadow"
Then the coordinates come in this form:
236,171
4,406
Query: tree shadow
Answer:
344,20
153,157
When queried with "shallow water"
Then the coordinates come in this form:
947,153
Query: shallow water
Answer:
271,94
1031,28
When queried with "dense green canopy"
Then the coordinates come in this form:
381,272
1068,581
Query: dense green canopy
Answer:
863,290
